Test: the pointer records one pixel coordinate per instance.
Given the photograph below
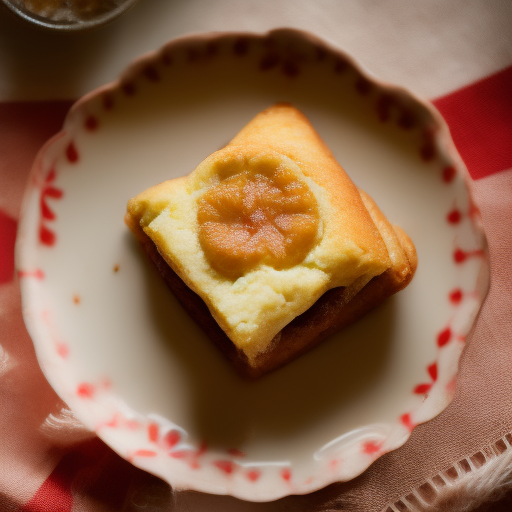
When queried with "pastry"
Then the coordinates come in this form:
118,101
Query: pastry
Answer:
269,245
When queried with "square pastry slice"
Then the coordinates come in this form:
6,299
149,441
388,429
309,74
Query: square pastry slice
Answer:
269,245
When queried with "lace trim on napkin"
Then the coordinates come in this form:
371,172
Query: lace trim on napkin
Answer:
481,478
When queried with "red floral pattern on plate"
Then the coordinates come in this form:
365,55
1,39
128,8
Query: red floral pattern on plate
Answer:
49,191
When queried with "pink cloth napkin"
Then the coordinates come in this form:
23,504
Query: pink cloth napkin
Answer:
48,463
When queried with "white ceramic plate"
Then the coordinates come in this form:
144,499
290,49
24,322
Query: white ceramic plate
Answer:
117,347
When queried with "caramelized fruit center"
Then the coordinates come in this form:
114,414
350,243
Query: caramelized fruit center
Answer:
256,218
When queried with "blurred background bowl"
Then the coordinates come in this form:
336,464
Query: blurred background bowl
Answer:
69,15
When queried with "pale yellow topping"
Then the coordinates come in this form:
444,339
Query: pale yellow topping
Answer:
251,218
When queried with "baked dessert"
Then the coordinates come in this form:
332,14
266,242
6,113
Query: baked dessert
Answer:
269,245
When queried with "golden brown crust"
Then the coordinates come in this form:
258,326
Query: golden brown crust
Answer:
409,249
401,250
344,248
358,247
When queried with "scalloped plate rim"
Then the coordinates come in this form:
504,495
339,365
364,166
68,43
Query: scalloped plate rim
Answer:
131,70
